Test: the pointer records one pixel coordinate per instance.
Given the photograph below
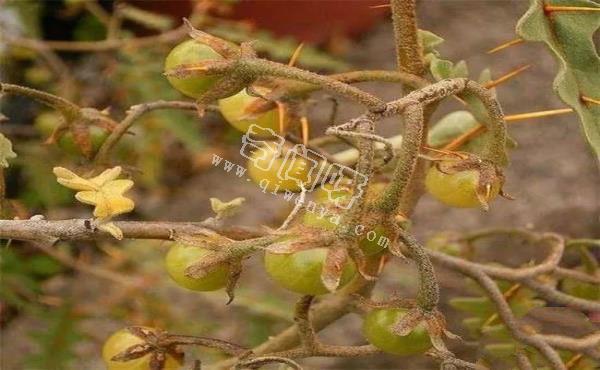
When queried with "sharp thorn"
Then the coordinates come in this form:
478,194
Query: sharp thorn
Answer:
506,77
506,45
556,8
544,113
295,55
587,99
305,127
281,114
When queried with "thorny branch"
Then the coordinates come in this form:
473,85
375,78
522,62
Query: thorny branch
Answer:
300,340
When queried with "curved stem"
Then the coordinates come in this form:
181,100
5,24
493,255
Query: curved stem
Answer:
64,106
133,114
268,68
503,309
496,126
429,290
389,201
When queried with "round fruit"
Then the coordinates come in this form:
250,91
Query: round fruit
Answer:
326,221
235,110
322,194
46,122
300,272
457,189
119,342
376,329
187,53
181,256
272,172
374,241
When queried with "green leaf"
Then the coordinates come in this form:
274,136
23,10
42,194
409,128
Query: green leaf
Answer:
441,69
569,35
457,123
429,41
450,127
6,151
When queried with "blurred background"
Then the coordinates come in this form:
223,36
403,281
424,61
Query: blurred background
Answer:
55,316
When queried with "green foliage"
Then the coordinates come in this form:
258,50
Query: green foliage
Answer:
569,36
22,276
40,188
455,124
450,127
56,337
483,322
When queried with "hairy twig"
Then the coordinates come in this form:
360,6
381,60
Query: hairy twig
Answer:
408,50
134,113
268,68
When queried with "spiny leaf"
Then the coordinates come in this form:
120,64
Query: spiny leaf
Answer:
429,41
6,151
442,69
450,127
104,192
569,35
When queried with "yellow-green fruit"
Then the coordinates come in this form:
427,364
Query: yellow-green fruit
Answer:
235,111
457,189
46,122
119,342
374,241
322,193
188,53
181,256
377,330
280,174
300,272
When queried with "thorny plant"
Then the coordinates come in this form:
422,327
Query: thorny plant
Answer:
287,88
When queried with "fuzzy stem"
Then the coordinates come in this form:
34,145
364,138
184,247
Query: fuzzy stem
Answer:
268,68
364,166
133,114
302,318
503,309
408,49
69,109
429,290
407,160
